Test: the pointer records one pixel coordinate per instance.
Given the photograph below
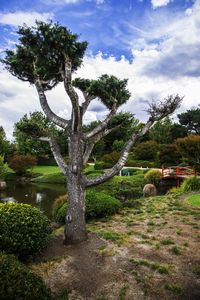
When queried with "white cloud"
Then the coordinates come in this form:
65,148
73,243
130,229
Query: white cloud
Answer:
99,2
18,18
159,3
166,61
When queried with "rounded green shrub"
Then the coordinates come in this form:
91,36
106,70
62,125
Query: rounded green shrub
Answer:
100,205
191,184
153,176
97,204
19,282
24,230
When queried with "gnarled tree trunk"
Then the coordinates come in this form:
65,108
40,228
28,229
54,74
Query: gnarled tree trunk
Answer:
75,228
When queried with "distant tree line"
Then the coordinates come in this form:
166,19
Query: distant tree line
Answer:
167,142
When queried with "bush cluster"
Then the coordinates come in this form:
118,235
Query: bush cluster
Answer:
153,176
97,204
24,230
19,282
124,187
20,163
101,165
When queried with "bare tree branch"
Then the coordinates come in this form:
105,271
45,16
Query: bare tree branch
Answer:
103,124
122,160
86,103
160,110
47,110
91,142
56,153
67,76
157,112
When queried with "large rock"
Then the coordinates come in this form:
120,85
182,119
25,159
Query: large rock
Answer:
2,185
149,190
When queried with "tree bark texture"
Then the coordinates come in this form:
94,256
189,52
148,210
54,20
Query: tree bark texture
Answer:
75,228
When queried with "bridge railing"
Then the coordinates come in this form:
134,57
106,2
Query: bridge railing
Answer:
178,171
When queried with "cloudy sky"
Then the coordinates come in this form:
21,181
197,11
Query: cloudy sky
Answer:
153,43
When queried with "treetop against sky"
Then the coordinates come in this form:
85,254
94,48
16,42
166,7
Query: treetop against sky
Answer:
153,43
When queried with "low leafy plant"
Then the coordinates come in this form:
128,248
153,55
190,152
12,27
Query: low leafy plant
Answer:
167,242
196,270
24,230
175,250
175,289
58,203
18,282
191,184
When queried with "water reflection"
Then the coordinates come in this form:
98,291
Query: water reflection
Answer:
42,196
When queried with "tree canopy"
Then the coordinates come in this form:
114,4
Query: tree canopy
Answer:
191,120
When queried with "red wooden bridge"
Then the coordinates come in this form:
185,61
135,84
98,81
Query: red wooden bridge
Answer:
176,171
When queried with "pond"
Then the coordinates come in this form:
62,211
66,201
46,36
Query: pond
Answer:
41,196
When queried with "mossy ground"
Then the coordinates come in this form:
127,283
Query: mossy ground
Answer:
148,252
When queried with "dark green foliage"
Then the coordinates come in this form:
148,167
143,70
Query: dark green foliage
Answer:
17,282
191,120
3,168
27,131
20,163
6,148
100,165
110,90
169,155
191,184
142,163
166,132
98,205
146,150
124,187
24,230
175,250
82,84
189,148
111,158
175,289
118,145
41,53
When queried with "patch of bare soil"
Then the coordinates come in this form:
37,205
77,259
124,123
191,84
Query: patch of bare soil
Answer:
148,253
88,270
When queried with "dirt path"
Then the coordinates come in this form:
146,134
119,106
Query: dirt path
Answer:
151,252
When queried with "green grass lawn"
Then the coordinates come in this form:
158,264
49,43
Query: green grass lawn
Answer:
45,170
194,200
